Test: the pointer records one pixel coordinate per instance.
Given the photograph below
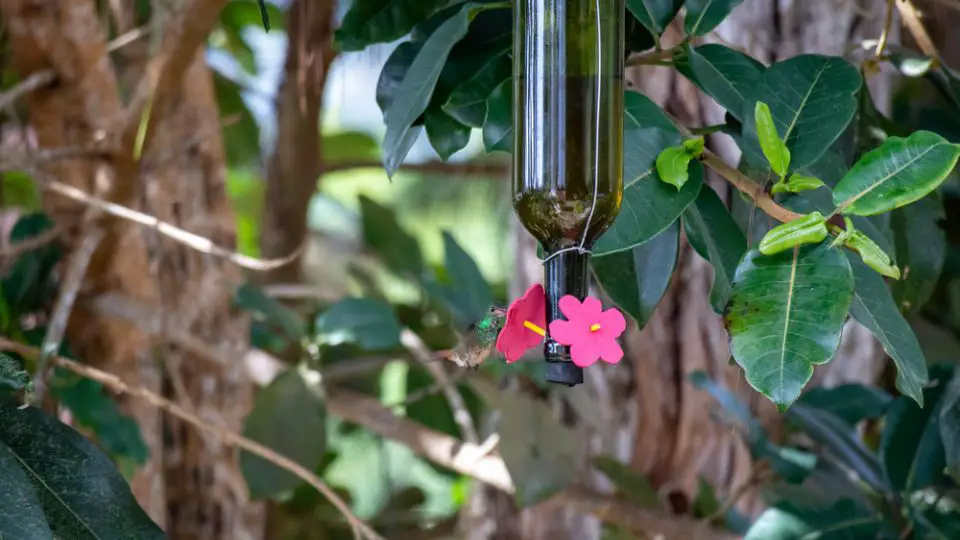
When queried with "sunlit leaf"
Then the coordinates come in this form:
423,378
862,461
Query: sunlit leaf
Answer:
897,173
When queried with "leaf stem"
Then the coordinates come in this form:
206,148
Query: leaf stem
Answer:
887,23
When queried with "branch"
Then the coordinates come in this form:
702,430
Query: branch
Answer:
32,243
461,415
114,383
463,457
187,238
748,187
911,18
24,87
650,58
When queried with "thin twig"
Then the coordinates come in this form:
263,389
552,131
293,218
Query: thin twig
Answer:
229,437
651,58
887,24
911,18
748,187
53,337
461,414
187,238
24,87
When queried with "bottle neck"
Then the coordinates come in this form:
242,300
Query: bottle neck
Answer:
565,273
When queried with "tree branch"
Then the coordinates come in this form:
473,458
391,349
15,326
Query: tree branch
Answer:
748,187
114,383
911,18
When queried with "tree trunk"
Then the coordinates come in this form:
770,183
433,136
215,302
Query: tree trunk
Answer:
656,420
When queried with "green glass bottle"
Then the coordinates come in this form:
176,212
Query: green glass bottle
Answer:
568,141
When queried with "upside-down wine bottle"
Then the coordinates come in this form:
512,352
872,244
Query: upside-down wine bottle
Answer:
568,141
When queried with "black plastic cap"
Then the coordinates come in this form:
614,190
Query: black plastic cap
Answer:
566,373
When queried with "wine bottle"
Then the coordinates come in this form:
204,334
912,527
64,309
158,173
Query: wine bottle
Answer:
568,141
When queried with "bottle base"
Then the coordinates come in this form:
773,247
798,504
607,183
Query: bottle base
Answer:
566,373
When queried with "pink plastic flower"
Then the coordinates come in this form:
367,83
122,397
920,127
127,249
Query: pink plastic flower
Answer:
590,332
525,312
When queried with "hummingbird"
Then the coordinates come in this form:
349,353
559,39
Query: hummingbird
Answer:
479,339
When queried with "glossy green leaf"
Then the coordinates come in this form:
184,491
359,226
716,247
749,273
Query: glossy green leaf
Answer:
842,521
649,205
849,402
725,74
288,416
811,115
21,515
921,246
466,294
393,72
468,102
672,165
371,324
874,308
498,127
82,493
950,426
716,237
12,377
269,311
897,173
785,317
381,21
633,485
446,135
843,443
414,92
637,279
382,233
28,284
797,183
776,152
654,15
705,15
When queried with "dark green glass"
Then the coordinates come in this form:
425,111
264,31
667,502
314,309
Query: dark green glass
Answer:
568,140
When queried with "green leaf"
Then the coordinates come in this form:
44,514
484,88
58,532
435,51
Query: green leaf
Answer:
12,377
842,521
820,103
705,15
288,416
672,165
540,452
241,136
21,515
394,71
797,183
382,233
921,246
897,173
633,485
911,449
849,402
414,93
725,74
716,237
82,494
950,426
118,434
635,280
370,323
446,135
468,102
874,308
649,205
20,191
498,127
773,147
467,295
654,15
269,311
381,21
836,436
786,315
28,285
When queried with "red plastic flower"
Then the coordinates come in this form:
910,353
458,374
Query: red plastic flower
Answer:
590,332
525,312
